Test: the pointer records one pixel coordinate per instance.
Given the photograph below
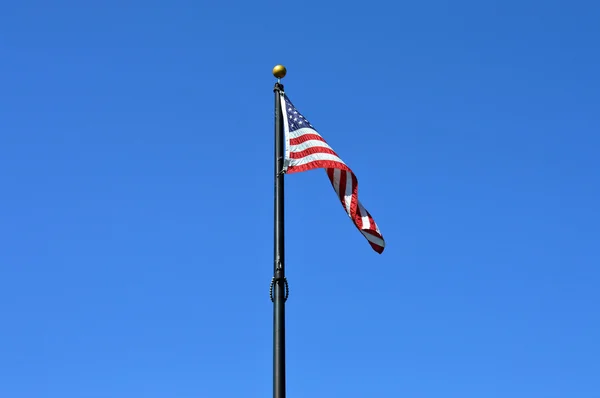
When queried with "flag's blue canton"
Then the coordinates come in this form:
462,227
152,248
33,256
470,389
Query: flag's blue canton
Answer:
295,119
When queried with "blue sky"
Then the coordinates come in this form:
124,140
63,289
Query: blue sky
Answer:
136,145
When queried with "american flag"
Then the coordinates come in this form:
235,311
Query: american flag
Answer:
307,150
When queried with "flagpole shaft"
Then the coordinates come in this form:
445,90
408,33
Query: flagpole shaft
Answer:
279,256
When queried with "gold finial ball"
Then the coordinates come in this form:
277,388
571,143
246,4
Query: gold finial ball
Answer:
279,71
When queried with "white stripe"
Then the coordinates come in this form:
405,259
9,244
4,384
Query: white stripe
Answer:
336,181
348,193
309,144
314,157
286,130
302,131
374,239
366,224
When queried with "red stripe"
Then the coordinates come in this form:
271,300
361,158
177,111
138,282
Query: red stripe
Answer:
376,247
330,174
354,202
317,164
342,192
311,151
373,224
306,137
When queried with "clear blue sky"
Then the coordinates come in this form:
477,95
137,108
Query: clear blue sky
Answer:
136,143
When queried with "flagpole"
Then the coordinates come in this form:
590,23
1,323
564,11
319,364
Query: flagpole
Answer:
279,288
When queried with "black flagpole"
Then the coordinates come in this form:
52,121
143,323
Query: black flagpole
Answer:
279,288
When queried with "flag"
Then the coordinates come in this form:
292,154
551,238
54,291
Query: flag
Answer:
307,150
